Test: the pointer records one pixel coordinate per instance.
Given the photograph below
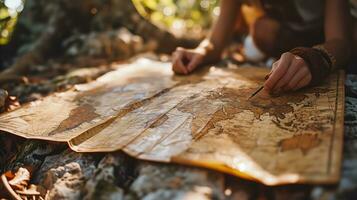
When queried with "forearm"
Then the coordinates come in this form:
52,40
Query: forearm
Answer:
222,30
339,51
337,32
334,53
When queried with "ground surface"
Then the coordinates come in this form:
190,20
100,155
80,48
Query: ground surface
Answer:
206,119
71,175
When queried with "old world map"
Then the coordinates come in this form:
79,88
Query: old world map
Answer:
204,119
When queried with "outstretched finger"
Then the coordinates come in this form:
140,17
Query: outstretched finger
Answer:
196,60
279,71
303,82
295,65
177,64
301,74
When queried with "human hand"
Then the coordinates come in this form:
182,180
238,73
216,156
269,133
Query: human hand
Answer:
290,72
184,61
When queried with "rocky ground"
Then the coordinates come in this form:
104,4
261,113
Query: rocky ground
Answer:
63,174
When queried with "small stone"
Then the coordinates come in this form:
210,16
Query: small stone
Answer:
64,175
103,184
3,97
160,181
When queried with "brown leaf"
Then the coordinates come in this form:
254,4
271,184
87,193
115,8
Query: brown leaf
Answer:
31,191
12,103
21,179
9,175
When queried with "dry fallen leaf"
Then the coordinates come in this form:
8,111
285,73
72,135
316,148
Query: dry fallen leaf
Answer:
12,103
21,179
16,185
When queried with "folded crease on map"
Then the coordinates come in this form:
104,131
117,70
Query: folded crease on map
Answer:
204,119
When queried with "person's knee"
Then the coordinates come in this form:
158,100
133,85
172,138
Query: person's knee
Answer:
265,34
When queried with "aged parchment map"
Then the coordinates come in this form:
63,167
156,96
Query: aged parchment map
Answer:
204,119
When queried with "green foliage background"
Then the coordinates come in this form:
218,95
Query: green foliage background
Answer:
8,19
178,16
189,15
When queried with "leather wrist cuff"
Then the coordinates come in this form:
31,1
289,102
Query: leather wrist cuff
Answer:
318,63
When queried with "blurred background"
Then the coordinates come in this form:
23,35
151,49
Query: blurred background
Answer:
42,42
34,33
177,16
9,11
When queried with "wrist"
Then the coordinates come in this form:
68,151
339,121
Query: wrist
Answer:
206,45
209,51
327,55
316,62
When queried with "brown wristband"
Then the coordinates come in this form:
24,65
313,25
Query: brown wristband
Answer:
317,62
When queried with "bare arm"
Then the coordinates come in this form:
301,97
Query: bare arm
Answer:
223,29
337,30
184,61
308,66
